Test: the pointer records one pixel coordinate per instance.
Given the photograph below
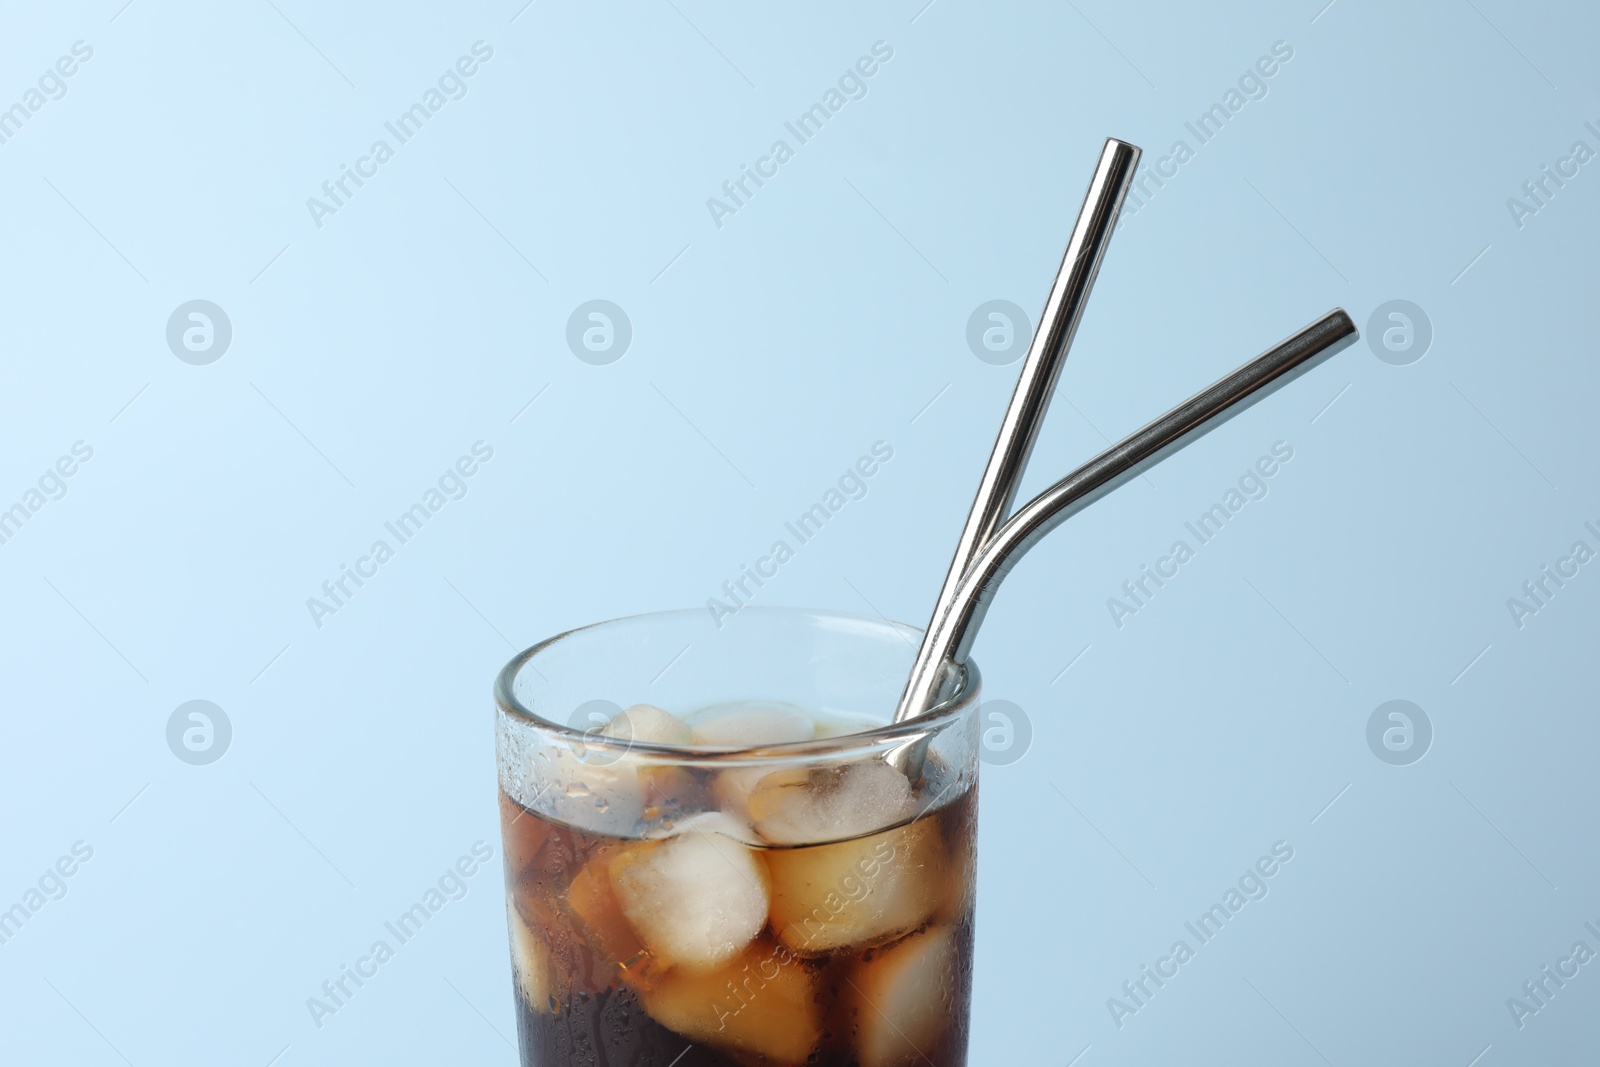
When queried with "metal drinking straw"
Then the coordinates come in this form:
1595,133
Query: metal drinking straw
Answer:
997,491
949,638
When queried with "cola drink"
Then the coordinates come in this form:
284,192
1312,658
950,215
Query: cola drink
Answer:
739,913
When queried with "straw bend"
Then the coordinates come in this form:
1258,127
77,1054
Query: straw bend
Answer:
952,633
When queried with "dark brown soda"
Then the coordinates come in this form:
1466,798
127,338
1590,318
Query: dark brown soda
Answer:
594,1014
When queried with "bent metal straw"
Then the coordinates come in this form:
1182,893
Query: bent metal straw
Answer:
950,635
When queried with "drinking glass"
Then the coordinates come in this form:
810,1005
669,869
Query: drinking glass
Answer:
692,899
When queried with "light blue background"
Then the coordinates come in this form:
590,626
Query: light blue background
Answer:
826,315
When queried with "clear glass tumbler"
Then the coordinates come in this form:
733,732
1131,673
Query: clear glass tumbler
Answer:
679,897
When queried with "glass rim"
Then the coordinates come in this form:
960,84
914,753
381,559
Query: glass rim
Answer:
928,724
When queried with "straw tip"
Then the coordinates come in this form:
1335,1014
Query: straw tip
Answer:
1341,318
1117,144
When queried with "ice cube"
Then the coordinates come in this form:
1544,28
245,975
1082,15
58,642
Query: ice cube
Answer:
763,1002
649,724
617,948
666,790
901,999
731,788
843,726
610,792
747,725
695,900
531,963
710,822
798,807
856,893
962,880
